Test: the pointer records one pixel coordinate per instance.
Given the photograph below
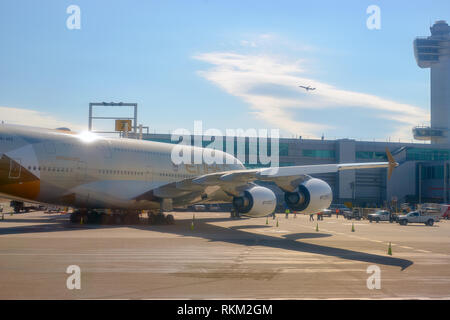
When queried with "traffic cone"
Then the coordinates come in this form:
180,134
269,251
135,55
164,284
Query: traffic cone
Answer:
353,227
390,249
317,227
277,222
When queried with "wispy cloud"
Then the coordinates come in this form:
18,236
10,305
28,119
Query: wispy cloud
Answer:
272,42
270,87
35,118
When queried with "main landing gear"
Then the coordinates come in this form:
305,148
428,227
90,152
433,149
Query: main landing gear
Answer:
118,217
83,216
160,218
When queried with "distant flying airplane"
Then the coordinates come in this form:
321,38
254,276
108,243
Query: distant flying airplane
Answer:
307,88
96,175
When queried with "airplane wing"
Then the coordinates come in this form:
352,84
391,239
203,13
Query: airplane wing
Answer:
287,178
234,181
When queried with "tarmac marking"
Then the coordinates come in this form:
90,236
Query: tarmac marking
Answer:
362,238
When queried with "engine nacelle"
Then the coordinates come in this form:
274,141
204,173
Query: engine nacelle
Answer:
256,202
312,196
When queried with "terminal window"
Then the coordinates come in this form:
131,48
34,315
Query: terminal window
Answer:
370,155
427,154
328,154
432,172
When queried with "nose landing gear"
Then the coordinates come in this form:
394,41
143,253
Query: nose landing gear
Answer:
235,214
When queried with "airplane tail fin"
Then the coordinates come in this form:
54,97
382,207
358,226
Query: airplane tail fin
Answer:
392,163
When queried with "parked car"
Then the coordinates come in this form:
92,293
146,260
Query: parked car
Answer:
418,217
354,214
339,209
382,215
326,213
54,209
199,207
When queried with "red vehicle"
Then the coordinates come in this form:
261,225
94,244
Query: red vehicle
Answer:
445,209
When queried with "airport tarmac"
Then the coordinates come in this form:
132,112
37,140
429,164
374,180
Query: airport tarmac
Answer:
222,258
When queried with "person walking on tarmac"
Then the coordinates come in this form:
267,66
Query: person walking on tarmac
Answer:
287,211
311,217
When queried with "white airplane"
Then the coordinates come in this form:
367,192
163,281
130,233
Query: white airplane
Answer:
307,88
116,178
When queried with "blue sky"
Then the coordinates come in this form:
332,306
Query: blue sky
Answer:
231,64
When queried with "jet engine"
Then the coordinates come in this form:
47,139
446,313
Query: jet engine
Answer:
256,202
312,196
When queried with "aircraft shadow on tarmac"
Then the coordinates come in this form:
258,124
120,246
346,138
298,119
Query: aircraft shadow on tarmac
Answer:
58,219
203,228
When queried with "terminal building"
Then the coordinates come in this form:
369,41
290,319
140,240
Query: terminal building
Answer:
422,174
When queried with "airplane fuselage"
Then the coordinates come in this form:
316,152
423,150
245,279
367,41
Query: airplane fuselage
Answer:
87,171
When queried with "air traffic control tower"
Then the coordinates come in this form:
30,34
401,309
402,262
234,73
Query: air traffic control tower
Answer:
434,52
